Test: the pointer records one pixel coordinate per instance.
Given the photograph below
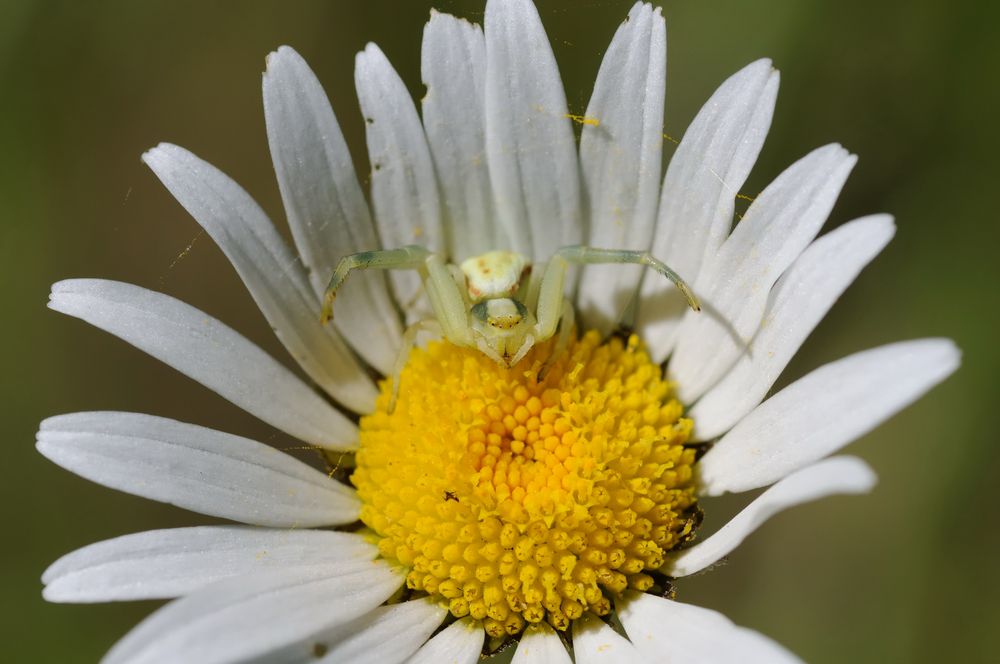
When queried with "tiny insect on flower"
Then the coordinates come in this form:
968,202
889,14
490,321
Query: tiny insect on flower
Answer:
495,302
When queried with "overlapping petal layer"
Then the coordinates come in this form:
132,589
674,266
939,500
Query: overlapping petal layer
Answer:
325,206
621,147
161,564
207,351
272,273
199,469
286,607
668,631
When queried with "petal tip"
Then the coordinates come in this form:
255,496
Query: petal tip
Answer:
157,155
952,354
861,477
286,51
65,286
368,59
62,288
283,62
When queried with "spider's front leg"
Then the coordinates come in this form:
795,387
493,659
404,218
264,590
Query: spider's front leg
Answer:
449,306
581,255
552,306
411,257
443,291
549,300
567,323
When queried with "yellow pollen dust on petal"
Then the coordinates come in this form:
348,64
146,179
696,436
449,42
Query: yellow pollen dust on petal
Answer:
514,500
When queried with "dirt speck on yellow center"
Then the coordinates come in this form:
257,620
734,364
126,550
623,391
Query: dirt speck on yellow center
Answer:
517,501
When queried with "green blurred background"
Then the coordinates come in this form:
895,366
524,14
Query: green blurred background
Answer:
904,575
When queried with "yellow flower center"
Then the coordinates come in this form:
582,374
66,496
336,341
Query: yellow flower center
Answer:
516,499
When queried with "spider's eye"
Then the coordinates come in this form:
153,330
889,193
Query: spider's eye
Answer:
501,313
479,311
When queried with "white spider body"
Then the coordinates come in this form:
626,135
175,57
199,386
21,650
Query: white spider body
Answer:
494,274
500,322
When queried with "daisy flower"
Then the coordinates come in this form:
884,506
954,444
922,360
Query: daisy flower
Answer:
548,506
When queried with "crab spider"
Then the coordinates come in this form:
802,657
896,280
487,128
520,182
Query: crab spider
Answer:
492,302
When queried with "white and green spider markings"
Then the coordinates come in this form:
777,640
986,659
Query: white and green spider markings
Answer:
494,302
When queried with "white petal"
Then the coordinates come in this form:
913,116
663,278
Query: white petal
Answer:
403,186
838,475
199,469
798,302
387,635
705,174
817,415
325,206
453,67
160,564
272,274
620,159
207,351
540,645
248,617
460,643
675,633
596,643
735,284
529,140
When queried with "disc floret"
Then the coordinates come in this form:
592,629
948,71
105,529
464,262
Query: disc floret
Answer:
517,500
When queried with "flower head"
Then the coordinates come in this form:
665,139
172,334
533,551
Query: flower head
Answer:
522,492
